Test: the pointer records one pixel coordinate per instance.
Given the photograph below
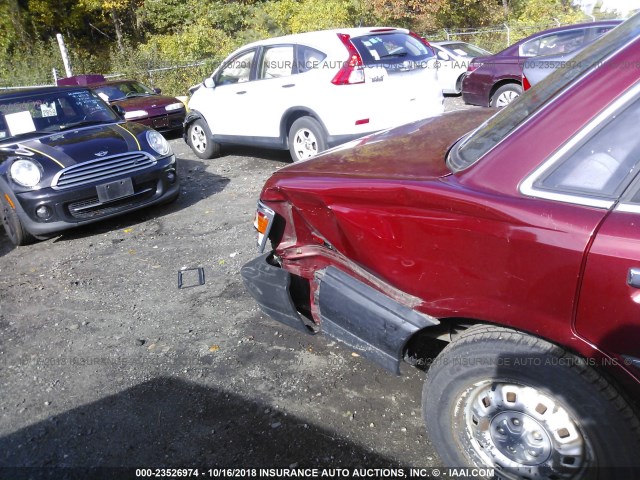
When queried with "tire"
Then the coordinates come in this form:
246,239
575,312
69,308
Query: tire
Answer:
506,94
501,399
459,84
306,139
12,224
199,139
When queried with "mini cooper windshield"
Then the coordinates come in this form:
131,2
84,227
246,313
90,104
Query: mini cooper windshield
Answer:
34,114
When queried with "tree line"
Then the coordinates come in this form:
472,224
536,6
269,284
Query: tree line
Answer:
134,36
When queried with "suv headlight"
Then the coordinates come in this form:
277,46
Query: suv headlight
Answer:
25,172
158,142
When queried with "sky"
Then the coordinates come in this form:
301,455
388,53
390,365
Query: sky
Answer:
622,6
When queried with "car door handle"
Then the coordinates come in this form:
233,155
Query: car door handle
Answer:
242,92
289,85
633,277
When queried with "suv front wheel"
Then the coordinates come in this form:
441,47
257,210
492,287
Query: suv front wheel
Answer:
306,139
199,139
498,398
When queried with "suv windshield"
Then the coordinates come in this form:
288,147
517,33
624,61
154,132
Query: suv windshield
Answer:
496,128
34,113
391,49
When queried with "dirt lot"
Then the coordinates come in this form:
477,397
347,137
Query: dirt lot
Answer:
105,362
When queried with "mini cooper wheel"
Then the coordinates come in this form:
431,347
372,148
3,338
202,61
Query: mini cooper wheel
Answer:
505,95
306,139
199,138
499,399
12,224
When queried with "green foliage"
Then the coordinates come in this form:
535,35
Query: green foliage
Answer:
282,17
164,16
469,13
163,34
537,12
31,64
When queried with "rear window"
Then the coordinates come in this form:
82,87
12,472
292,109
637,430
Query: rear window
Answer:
389,49
466,49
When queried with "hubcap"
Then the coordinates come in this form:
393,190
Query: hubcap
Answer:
505,98
523,433
305,144
198,138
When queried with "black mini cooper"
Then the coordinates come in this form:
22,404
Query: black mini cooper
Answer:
67,159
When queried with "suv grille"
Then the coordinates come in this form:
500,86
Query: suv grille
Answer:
101,169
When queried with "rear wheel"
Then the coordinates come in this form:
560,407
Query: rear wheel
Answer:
506,94
497,398
306,139
199,138
12,224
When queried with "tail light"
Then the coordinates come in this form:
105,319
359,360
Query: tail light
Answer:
473,67
263,223
352,71
525,82
423,41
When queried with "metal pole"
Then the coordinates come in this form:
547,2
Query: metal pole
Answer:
508,34
65,55
55,76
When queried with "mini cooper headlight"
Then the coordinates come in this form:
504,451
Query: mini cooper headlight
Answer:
25,172
158,142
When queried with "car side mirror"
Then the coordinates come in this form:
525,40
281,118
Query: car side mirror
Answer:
157,90
209,83
443,56
119,110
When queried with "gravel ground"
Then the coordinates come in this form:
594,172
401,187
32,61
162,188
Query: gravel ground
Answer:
105,362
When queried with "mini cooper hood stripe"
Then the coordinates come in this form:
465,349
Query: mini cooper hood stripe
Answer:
80,145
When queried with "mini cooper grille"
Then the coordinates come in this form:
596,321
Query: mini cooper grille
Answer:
98,170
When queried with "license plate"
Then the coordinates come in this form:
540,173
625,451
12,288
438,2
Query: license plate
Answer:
115,190
160,122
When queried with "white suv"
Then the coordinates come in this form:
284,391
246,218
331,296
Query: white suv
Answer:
311,91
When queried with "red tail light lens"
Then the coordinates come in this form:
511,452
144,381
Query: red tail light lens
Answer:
424,41
352,71
473,67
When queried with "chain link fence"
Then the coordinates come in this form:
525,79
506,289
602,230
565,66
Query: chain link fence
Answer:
176,79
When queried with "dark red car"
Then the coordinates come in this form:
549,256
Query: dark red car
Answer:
516,245
138,102
496,80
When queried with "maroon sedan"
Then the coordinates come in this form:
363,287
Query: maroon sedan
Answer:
496,81
135,101
505,261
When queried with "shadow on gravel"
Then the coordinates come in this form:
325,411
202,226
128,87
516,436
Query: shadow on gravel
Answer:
169,422
196,184
264,153
5,244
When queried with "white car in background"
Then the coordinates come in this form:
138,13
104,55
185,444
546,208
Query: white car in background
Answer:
453,59
311,91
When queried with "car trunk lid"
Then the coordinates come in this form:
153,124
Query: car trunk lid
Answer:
415,151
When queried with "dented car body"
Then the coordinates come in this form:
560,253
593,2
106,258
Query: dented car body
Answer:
516,243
